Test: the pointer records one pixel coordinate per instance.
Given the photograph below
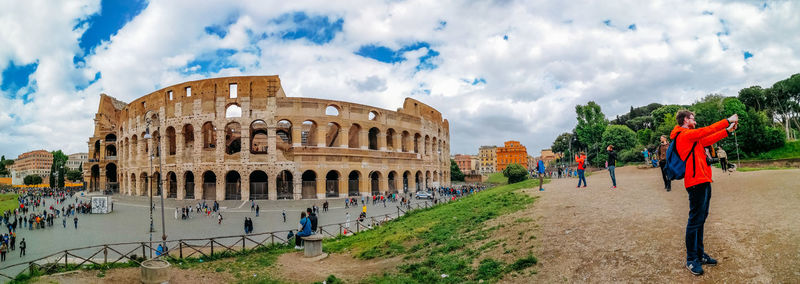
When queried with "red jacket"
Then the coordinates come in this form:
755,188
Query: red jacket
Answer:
581,160
697,170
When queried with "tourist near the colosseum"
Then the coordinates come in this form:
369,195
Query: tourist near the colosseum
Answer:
611,164
690,143
581,161
661,155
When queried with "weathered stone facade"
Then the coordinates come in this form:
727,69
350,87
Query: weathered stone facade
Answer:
242,138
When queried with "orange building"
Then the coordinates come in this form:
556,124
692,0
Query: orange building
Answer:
513,152
32,163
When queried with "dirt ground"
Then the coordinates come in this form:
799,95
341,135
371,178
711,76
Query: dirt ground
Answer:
635,233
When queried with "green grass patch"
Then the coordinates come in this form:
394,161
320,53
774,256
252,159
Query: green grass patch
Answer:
437,241
8,201
749,169
497,178
788,151
523,263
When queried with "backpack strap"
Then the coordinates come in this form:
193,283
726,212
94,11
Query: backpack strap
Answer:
691,153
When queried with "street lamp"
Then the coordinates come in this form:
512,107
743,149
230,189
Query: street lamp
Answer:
150,185
147,135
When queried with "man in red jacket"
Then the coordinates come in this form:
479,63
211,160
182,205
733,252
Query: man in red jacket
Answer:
690,143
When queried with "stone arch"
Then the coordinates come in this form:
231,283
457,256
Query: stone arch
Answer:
111,151
145,184
96,154
111,137
332,110
373,115
94,177
284,185
233,186
233,111
209,185
233,138
332,184
171,149
258,137
309,185
404,141
392,178
308,133
111,177
390,134
155,181
406,177
418,180
427,146
355,132
435,176
133,146
172,185
433,147
353,180
332,136
146,144
427,179
417,139
188,137
284,133
132,186
258,185
209,136
375,180
188,185
373,138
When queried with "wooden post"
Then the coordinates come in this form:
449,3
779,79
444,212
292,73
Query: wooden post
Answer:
105,254
65,259
212,248
243,247
272,237
143,249
180,249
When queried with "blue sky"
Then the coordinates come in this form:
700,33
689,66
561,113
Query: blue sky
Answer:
481,63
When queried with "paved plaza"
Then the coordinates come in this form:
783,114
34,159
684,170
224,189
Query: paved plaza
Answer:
129,222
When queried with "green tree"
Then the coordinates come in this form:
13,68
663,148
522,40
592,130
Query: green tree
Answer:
74,175
659,113
515,173
52,176
32,180
708,110
561,144
591,125
455,172
783,99
620,136
59,165
754,97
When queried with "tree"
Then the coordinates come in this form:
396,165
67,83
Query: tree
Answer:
455,172
561,144
52,176
59,162
74,175
784,101
645,137
620,136
32,180
708,110
658,116
591,125
515,173
754,97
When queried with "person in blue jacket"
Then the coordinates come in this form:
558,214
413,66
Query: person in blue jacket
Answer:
540,170
304,230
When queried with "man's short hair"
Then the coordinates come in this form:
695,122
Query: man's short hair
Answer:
683,115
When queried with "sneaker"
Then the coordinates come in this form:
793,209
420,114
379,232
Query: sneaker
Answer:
297,247
541,189
614,186
584,186
707,260
694,267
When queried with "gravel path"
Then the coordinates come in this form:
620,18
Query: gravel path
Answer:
635,233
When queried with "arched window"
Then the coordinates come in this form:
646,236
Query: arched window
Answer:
355,131
171,141
188,136
332,110
373,138
233,111
332,137
308,133
233,138
258,137
209,136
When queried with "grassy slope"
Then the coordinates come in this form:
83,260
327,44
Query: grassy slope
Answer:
435,241
789,150
8,201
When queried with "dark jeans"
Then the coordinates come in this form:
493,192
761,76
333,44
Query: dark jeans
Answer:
581,177
699,201
667,182
298,240
613,176
724,163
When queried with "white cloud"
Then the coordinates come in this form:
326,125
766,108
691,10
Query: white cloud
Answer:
557,54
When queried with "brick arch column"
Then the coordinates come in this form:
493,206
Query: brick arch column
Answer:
344,136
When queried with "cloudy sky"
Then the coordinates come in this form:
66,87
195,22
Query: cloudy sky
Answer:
497,70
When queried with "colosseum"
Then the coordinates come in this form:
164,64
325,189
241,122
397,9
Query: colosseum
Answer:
242,138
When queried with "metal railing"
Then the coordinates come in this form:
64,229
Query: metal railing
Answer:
118,253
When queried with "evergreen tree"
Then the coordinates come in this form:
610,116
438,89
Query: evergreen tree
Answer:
455,172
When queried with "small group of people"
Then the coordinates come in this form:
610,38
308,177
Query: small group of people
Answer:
8,243
307,227
248,226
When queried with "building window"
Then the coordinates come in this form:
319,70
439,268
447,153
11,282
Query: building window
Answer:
234,90
170,95
188,91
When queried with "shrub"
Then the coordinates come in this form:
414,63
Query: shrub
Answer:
515,173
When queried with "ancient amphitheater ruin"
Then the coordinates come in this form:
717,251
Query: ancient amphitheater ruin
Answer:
242,138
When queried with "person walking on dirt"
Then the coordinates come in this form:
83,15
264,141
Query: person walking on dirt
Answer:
661,154
612,165
581,160
690,143
723,159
